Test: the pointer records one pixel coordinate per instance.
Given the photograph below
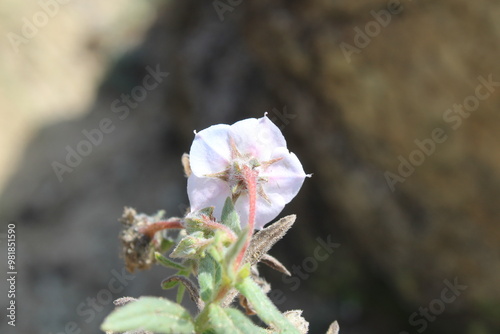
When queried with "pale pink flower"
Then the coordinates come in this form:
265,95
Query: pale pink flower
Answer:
217,157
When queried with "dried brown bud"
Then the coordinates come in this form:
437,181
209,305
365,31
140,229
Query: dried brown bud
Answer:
138,249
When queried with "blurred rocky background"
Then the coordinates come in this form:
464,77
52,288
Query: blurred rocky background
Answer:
393,105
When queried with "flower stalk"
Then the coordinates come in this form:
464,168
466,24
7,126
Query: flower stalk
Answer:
250,179
151,229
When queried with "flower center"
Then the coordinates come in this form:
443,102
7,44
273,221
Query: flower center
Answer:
235,177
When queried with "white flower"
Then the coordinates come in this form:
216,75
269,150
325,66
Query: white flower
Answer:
219,154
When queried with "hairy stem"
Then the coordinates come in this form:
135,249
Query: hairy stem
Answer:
151,229
250,177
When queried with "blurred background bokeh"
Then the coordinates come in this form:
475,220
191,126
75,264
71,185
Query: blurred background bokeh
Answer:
393,105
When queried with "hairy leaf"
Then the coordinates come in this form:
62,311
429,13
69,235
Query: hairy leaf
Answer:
209,277
167,262
230,217
191,246
264,307
153,314
231,321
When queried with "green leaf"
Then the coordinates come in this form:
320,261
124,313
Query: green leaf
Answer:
192,246
231,321
153,314
209,277
167,262
245,324
195,221
206,286
264,307
230,217
206,277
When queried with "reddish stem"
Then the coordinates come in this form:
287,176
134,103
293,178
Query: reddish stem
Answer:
250,178
151,229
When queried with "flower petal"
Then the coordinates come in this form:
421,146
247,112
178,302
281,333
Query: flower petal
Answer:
207,191
284,177
257,137
265,212
210,152
280,173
